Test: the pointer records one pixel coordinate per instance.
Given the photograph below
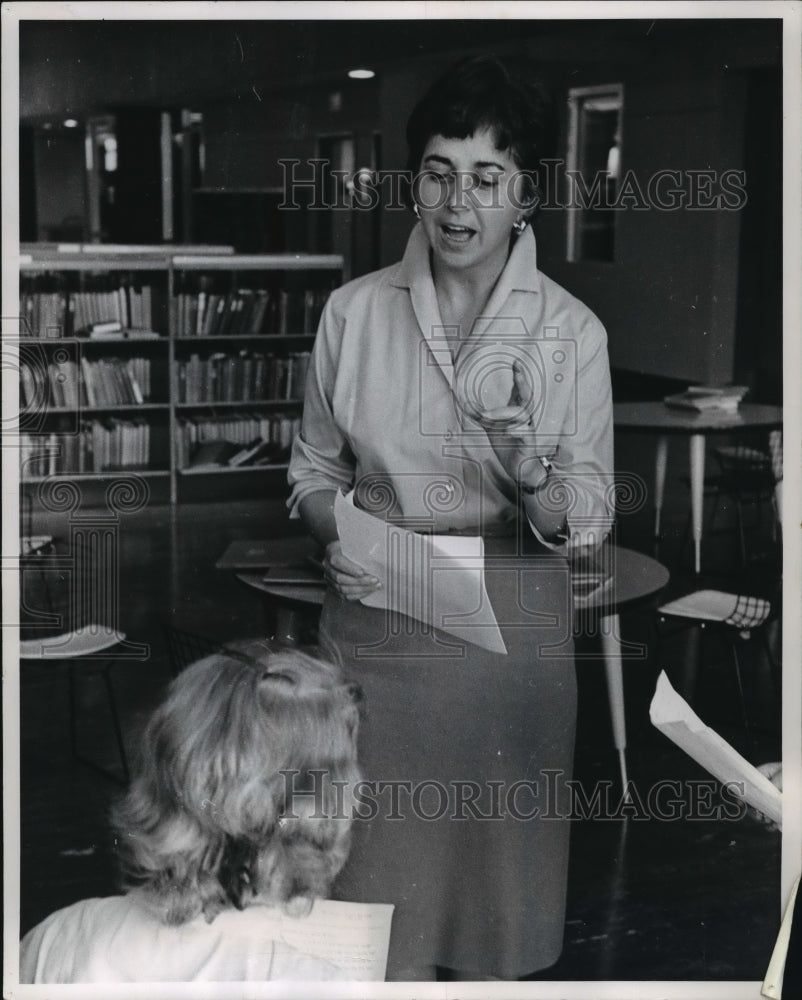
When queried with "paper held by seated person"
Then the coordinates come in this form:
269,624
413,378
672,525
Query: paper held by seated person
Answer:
353,936
436,579
677,720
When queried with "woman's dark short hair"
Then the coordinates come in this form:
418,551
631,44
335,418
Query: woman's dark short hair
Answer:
479,92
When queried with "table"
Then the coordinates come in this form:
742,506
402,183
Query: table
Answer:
635,577
655,417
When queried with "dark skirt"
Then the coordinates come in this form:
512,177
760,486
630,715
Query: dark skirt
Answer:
465,754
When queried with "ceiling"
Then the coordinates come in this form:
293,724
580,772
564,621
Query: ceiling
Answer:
73,68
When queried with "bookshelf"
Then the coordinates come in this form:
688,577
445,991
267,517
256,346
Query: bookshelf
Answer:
173,365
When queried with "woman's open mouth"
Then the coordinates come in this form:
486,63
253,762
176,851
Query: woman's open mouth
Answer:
457,234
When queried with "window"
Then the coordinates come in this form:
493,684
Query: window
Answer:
593,171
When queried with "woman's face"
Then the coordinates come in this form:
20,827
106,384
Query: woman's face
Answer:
469,195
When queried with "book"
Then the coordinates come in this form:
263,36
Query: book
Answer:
111,326
701,398
250,451
124,333
212,454
308,573
268,454
248,554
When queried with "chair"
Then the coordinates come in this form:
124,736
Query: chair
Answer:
33,552
736,617
77,588
749,475
185,647
91,642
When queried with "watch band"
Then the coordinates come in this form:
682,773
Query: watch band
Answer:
547,465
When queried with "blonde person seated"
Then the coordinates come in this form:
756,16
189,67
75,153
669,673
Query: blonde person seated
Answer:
211,836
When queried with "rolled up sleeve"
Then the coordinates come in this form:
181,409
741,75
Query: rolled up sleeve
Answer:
321,456
582,475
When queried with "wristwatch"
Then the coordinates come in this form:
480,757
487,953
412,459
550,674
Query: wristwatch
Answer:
547,466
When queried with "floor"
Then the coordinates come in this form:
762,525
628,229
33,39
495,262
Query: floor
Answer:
672,898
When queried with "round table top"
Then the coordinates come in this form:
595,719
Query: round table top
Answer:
308,593
655,415
635,577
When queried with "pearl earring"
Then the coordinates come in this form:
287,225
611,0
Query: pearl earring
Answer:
519,226
416,210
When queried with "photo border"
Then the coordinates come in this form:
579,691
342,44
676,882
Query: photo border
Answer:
791,14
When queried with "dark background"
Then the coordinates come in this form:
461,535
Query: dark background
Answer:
691,295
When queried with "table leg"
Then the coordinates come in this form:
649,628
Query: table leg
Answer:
696,449
282,624
660,462
611,649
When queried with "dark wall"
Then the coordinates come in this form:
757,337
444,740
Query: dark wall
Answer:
758,332
60,185
27,185
670,299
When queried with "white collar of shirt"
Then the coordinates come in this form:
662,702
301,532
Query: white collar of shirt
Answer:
520,272
414,272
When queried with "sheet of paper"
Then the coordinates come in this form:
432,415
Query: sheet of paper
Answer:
353,936
436,579
773,982
672,715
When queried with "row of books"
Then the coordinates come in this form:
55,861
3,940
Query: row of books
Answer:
242,377
72,384
99,446
257,439
248,311
80,312
43,314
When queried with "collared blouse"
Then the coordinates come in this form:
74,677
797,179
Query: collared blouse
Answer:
388,411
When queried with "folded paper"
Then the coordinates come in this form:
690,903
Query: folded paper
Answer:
677,720
435,579
773,982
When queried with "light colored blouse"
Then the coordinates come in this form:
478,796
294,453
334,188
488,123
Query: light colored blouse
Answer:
384,407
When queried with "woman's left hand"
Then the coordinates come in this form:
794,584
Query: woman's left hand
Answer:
510,432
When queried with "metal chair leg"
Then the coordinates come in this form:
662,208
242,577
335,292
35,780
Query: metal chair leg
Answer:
73,713
77,755
741,532
737,665
116,721
774,666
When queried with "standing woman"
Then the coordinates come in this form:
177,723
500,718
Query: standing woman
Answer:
462,391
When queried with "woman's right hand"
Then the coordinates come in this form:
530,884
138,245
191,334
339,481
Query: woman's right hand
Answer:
345,577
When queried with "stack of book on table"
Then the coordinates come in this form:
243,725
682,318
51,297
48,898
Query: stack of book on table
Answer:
707,398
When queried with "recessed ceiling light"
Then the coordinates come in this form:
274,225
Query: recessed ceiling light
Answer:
70,123
361,74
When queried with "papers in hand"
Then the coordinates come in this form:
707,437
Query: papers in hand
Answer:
436,579
355,937
677,720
